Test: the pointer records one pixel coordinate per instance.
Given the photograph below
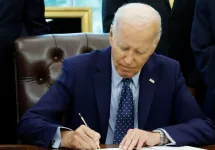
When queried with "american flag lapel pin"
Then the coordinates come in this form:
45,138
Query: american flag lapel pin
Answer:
151,80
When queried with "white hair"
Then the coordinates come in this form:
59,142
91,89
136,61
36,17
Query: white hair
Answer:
138,14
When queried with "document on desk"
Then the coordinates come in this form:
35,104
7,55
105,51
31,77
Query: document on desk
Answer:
175,148
163,148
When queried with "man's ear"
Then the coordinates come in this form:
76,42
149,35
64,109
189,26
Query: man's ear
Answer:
156,42
111,35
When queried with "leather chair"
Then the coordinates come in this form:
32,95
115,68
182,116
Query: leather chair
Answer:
39,60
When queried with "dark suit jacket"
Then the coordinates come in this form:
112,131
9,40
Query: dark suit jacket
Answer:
175,39
203,44
22,18
18,18
85,87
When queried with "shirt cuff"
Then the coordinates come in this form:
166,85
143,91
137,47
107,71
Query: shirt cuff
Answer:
171,140
56,141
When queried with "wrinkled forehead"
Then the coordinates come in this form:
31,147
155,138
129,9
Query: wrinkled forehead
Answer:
135,31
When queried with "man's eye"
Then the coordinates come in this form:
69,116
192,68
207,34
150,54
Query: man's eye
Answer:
123,48
140,52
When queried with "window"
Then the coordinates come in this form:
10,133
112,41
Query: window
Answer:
96,6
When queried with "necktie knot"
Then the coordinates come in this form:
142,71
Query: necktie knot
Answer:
127,81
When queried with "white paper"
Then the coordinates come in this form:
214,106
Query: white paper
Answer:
191,148
145,148
175,148
162,148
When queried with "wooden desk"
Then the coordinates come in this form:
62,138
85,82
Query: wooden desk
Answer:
28,147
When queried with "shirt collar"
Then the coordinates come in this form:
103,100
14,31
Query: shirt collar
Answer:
116,78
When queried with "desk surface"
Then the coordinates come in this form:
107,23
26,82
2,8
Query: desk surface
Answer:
28,147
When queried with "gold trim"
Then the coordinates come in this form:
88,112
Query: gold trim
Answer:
85,13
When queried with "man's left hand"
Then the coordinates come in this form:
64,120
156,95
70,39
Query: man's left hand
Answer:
139,138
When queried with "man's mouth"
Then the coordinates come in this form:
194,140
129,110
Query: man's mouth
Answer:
125,68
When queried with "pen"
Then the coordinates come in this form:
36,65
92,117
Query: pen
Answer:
82,118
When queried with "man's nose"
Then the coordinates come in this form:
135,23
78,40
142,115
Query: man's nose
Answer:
129,58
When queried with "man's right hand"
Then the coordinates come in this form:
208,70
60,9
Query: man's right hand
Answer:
81,138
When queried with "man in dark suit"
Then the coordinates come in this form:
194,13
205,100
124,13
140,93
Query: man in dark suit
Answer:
127,94
22,18
18,18
177,16
203,45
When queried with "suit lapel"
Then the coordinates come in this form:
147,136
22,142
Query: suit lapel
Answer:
102,85
146,92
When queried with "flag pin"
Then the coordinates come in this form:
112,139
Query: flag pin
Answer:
151,80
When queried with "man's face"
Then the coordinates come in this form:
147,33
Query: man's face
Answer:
131,48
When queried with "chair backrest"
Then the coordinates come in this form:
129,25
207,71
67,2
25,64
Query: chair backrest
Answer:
39,60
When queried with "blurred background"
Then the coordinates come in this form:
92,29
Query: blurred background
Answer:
96,6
